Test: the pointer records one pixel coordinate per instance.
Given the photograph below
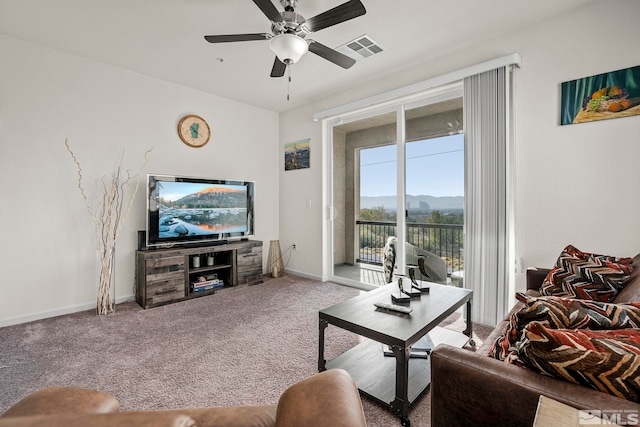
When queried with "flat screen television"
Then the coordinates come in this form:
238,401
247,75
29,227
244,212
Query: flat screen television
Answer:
188,210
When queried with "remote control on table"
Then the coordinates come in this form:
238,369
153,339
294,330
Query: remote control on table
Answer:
393,307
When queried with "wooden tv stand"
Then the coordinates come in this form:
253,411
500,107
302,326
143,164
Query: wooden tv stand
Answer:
164,276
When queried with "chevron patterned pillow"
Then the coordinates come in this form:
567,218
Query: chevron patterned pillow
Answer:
608,361
561,313
587,275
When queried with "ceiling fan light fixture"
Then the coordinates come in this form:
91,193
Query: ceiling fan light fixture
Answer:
289,48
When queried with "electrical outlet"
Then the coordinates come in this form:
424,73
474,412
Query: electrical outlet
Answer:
294,247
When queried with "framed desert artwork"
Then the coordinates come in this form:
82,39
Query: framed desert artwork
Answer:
603,96
296,155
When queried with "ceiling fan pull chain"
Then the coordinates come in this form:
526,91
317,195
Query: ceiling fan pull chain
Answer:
288,80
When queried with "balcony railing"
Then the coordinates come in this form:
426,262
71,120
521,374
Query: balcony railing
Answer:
444,240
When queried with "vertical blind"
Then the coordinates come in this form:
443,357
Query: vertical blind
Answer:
487,228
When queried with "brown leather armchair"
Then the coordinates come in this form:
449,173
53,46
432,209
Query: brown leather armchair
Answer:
329,398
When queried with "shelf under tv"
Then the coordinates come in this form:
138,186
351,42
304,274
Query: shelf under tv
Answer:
164,276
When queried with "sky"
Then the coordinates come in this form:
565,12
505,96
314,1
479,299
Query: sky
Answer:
434,167
176,190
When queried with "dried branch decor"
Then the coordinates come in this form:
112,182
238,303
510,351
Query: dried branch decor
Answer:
108,218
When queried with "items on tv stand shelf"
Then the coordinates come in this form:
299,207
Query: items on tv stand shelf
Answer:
164,276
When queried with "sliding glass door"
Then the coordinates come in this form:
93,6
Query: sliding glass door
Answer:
397,190
434,171
364,177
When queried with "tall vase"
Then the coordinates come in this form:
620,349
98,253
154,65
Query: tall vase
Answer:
106,280
275,265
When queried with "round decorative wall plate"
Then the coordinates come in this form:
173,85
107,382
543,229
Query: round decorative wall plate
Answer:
194,131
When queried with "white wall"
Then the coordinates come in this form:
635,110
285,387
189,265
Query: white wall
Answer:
48,258
301,196
574,184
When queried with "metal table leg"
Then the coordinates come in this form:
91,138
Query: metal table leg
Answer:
322,325
401,403
469,329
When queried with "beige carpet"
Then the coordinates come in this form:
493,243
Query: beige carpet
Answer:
241,346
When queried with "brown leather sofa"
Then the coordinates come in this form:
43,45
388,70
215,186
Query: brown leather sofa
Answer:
471,388
329,398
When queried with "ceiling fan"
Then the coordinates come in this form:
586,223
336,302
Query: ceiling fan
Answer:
290,30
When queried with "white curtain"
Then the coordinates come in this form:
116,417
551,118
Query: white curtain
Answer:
487,255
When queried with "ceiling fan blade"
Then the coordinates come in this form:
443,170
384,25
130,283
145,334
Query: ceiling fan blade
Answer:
278,69
267,7
330,54
344,12
225,38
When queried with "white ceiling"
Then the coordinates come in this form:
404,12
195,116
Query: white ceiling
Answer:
164,39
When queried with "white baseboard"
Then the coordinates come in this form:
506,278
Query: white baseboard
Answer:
302,274
352,283
58,312
338,280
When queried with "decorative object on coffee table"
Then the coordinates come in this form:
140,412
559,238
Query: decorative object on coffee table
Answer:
389,258
421,286
400,297
108,218
411,291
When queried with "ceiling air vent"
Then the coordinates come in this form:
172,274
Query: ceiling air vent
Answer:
360,48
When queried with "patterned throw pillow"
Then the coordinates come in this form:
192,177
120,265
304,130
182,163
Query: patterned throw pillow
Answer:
562,313
608,361
586,275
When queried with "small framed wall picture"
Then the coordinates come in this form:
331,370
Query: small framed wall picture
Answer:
194,131
296,155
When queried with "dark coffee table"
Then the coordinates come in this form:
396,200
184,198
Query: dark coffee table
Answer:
395,381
